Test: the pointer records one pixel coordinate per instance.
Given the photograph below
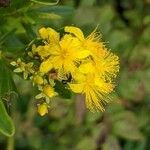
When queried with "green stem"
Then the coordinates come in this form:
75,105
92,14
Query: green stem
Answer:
10,143
45,3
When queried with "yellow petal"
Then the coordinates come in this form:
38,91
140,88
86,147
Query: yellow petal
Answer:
82,54
78,76
43,33
77,88
49,34
76,31
54,49
53,35
43,51
46,66
86,68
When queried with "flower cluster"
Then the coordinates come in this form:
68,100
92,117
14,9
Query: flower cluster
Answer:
90,66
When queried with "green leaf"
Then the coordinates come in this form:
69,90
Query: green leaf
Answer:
87,143
60,10
6,124
125,125
4,36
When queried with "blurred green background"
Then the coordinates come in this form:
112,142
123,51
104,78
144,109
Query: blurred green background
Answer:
125,125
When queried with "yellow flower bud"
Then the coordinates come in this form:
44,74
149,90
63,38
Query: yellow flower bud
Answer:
38,79
49,91
42,109
43,33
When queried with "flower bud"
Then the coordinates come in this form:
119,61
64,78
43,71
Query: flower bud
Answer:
38,79
42,109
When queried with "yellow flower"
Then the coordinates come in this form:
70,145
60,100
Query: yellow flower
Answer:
105,67
96,91
103,62
86,65
67,53
49,91
42,109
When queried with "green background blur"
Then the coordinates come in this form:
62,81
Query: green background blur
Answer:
125,125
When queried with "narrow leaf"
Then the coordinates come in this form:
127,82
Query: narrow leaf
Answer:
6,123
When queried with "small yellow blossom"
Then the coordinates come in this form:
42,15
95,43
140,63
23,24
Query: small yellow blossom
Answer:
95,89
37,79
67,54
49,91
42,109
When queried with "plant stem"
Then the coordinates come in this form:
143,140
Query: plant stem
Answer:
45,3
10,143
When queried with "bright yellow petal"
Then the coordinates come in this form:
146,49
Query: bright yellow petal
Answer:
54,49
78,76
49,34
43,33
82,54
77,88
76,31
46,66
53,35
43,51
86,68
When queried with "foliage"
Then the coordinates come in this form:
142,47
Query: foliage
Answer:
68,125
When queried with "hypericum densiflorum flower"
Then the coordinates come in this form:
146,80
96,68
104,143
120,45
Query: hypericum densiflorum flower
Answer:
95,90
103,61
84,63
49,91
